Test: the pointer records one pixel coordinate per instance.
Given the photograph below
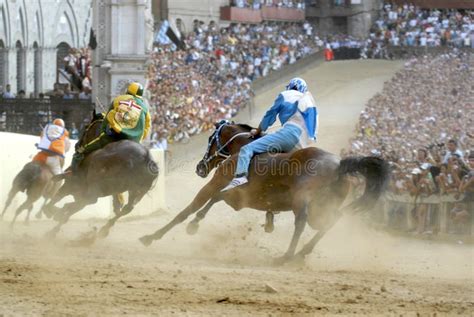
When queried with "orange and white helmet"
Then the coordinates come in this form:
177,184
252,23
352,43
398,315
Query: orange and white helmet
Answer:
59,122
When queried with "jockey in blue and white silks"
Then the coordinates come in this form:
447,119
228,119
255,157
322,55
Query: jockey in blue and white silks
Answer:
296,109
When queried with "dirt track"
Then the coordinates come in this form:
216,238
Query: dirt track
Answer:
226,269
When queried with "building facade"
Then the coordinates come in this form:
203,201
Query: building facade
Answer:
35,35
182,13
123,28
353,17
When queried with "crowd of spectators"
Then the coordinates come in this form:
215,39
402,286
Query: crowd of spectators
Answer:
191,89
409,25
78,65
257,4
423,123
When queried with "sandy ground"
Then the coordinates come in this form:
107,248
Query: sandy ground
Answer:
226,269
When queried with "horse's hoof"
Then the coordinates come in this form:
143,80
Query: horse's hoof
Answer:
39,215
146,240
282,259
269,228
51,234
192,228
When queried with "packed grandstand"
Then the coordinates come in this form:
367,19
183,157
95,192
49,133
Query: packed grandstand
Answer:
232,57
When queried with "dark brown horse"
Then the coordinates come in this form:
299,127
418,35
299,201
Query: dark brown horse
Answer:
310,182
34,180
122,166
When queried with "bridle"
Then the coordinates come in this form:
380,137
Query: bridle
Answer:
221,150
86,130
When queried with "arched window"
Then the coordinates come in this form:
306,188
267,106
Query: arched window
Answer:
20,67
62,51
3,66
37,69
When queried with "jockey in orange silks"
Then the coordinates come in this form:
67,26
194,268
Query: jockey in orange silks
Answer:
53,145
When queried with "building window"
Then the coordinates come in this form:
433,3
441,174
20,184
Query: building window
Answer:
62,51
20,67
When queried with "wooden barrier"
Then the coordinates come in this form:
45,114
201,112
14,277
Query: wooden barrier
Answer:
442,205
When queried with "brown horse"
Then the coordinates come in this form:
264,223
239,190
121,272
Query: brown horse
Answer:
34,180
310,182
224,151
122,166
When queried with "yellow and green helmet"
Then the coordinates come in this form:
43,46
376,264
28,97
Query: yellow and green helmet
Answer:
135,89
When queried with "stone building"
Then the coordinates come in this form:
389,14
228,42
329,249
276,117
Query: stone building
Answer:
182,13
35,35
354,17
124,30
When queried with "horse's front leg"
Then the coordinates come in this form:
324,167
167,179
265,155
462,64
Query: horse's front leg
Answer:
27,219
193,226
201,198
63,217
269,219
301,216
49,209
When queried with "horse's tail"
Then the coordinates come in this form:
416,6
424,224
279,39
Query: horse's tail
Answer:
376,172
30,172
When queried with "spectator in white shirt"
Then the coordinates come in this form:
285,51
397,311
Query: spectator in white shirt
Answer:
8,94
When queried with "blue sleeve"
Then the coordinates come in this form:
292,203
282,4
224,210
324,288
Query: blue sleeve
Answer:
270,116
311,121
316,124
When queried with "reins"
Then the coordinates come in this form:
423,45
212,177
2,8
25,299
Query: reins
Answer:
221,149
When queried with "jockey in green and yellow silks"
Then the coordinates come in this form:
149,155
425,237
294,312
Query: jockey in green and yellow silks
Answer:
127,119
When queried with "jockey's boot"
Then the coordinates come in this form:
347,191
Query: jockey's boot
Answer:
237,181
76,160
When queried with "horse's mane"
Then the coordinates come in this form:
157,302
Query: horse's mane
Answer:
97,118
244,126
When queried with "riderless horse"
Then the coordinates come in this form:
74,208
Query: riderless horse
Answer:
310,182
34,180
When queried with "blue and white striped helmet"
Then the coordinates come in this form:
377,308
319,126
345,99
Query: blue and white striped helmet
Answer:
297,84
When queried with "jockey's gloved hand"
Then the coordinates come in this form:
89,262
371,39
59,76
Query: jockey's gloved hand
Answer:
255,132
80,149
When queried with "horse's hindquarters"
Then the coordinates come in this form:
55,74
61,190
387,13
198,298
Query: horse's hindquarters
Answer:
119,167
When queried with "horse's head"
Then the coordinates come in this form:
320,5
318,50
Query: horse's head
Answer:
227,139
91,130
